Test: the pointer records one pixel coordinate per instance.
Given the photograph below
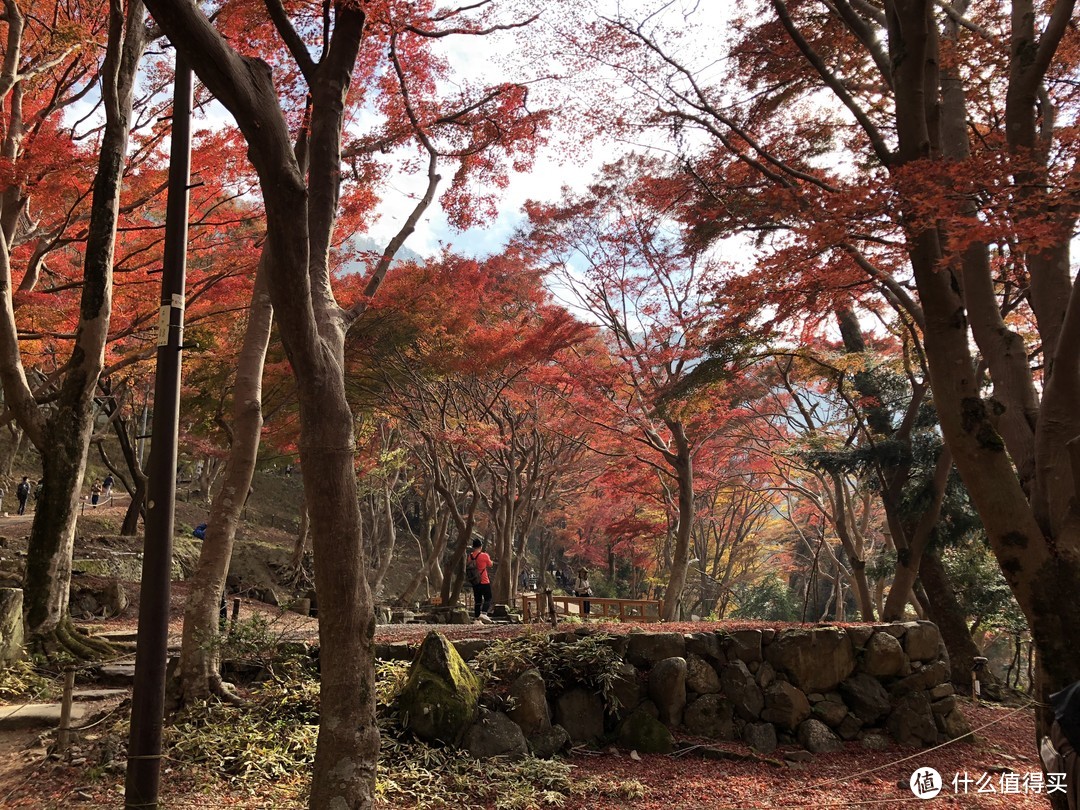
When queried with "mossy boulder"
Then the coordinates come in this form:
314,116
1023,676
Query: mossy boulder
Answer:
440,698
642,732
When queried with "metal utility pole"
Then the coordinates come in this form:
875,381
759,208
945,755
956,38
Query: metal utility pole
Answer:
151,649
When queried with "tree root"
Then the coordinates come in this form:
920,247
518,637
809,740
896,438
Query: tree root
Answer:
180,702
64,641
218,690
296,576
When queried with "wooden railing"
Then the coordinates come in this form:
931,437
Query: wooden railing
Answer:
534,607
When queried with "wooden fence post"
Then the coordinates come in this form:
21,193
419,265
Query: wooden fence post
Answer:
63,738
235,614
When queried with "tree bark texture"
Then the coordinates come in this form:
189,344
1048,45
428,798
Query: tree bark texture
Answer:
946,612
918,533
136,488
1011,450
682,462
198,670
1037,543
300,211
64,438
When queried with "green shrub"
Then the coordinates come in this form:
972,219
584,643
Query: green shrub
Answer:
272,738
22,680
589,661
769,600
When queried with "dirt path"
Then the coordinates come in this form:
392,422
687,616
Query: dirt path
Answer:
13,524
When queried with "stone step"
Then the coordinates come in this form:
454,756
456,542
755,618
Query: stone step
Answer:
120,636
116,674
37,715
99,694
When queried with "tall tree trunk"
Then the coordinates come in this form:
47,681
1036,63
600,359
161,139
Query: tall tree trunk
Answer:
386,541
455,574
65,440
439,533
198,670
1035,543
909,559
209,469
52,537
130,525
503,519
839,603
844,530
862,590
12,444
136,488
301,208
684,471
945,611
347,731
301,544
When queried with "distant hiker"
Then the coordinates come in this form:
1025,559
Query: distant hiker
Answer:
583,588
106,487
95,493
22,492
477,568
1,500
200,532
38,490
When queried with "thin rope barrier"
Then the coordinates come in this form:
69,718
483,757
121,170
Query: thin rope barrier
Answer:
925,751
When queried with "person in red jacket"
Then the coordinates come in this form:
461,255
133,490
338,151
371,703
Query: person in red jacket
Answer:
478,571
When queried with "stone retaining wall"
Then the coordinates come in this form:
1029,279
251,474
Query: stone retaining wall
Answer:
816,687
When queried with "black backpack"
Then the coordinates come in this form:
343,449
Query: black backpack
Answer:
23,489
472,572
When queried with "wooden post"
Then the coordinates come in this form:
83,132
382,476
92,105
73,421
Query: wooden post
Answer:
63,738
142,785
236,613
551,607
977,664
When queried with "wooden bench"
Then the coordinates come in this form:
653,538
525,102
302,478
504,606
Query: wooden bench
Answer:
534,608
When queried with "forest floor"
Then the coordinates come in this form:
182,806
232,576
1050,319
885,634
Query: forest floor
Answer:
1001,757
33,775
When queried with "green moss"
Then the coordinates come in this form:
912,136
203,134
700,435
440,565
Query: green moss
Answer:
643,732
440,697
